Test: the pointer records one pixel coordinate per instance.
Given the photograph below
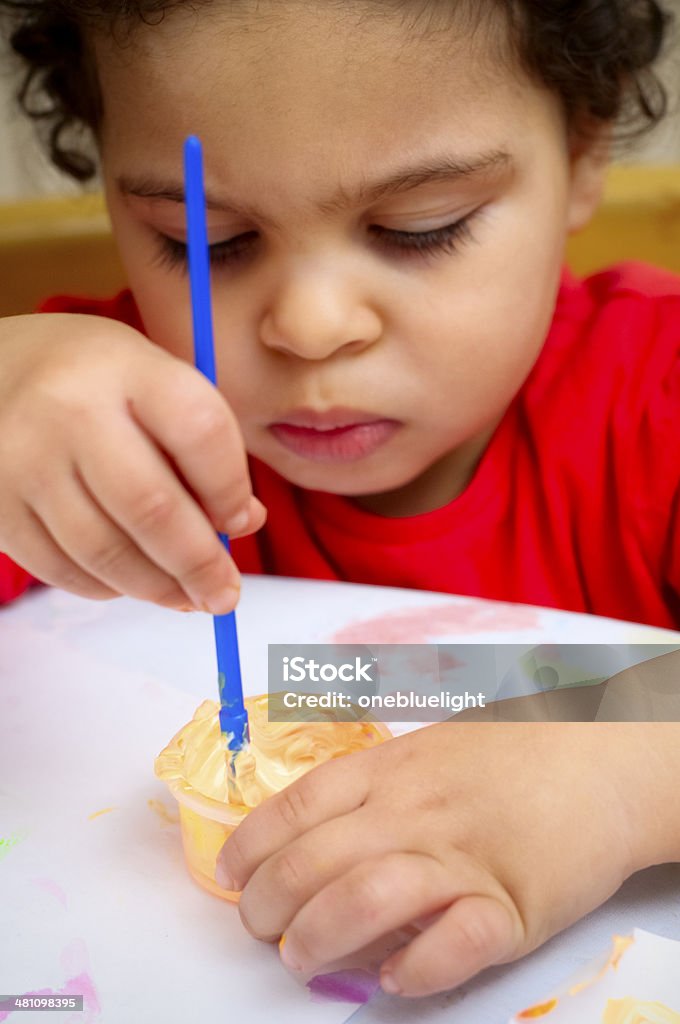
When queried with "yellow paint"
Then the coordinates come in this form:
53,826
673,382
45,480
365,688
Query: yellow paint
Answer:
631,1011
621,944
195,760
540,1010
282,942
104,810
162,811
194,766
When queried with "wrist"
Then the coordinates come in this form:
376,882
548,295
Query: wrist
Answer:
647,781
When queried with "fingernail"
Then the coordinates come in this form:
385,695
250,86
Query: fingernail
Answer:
221,603
288,959
238,523
389,985
223,878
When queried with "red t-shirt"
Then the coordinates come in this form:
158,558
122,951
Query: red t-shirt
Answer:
575,502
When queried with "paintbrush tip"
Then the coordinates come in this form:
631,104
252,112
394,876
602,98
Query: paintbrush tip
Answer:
241,778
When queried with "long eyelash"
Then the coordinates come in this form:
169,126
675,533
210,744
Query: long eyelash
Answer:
450,238
173,253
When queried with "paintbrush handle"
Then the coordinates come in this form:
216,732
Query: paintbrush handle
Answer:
233,715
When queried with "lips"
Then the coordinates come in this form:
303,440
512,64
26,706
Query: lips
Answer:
337,435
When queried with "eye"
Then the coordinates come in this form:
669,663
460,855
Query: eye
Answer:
449,238
173,253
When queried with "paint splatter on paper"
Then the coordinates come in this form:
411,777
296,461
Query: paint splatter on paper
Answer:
628,1011
352,986
97,814
420,625
50,886
166,815
534,1012
636,982
9,842
79,985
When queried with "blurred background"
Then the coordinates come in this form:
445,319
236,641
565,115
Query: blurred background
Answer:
55,237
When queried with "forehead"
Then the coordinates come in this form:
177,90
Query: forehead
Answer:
291,89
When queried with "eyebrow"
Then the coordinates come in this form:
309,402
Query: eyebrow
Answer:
442,169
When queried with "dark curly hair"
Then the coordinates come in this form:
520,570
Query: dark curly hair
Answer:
596,55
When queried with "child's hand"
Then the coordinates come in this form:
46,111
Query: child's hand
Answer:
118,463
497,835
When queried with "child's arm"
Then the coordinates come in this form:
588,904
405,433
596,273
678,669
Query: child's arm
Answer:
118,463
498,835
647,692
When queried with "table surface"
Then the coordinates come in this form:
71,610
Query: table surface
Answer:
93,887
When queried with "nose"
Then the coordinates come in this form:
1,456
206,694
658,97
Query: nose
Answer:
316,313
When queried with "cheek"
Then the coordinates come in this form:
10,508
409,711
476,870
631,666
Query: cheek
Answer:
487,329
164,304
474,343
162,296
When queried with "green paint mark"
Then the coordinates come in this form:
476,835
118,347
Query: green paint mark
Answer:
7,844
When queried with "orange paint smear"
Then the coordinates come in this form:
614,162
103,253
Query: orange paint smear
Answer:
541,1010
621,944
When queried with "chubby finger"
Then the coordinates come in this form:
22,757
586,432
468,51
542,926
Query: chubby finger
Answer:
134,483
202,437
284,882
35,550
89,538
327,792
371,900
476,932
255,518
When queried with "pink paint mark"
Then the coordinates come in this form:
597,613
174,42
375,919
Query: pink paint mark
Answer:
74,958
81,985
418,625
353,986
75,961
50,886
447,662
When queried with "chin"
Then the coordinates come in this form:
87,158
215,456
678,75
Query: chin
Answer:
351,480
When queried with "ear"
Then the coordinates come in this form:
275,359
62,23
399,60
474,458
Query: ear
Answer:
589,160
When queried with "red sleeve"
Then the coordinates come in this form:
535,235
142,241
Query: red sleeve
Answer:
13,579
121,307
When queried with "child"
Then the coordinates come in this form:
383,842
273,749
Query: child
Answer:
427,399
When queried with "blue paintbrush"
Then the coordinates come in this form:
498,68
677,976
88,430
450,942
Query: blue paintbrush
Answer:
233,715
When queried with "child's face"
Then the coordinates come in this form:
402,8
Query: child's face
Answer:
320,304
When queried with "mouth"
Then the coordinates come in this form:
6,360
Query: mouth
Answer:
338,435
